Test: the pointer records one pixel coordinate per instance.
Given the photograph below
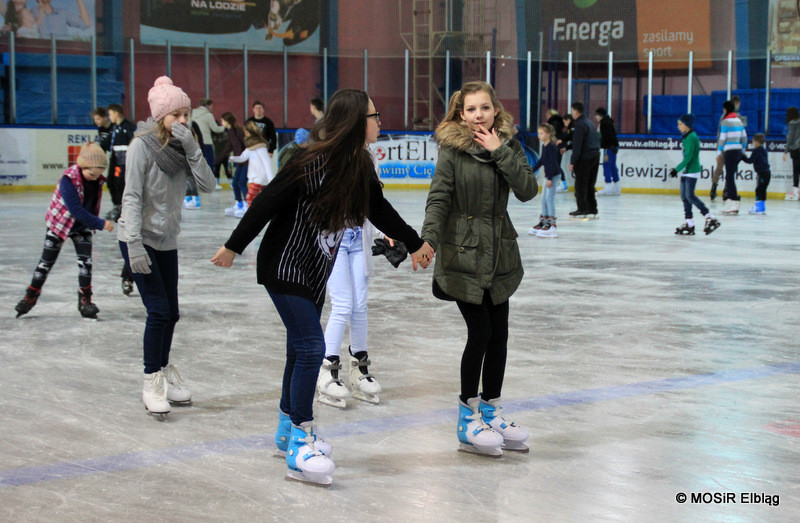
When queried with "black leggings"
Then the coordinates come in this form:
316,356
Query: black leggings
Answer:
795,156
487,346
52,247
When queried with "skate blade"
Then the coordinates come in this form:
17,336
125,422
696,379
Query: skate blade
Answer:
367,398
520,447
280,453
493,453
321,481
187,403
332,402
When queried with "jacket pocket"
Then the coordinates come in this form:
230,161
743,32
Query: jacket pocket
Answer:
460,248
508,257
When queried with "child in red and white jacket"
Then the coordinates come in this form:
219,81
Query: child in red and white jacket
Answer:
259,164
73,214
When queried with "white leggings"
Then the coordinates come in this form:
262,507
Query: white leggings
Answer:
348,285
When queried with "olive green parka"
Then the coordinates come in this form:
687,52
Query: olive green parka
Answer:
466,217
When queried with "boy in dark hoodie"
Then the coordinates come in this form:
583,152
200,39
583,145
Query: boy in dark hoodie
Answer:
763,174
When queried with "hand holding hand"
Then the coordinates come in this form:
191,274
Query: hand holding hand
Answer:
224,257
423,257
489,140
108,225
184,135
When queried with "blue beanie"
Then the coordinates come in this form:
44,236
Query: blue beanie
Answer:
688,120
301,136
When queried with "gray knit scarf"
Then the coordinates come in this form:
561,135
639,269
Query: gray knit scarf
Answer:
171,159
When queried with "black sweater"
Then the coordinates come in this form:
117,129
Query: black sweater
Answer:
585,140
296,257
608,133
759,159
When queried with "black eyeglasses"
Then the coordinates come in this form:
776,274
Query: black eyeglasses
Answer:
376,115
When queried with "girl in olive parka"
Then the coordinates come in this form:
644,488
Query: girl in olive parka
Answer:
478,262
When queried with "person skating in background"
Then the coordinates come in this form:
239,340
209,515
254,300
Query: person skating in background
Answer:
478,263
259,165
317,108
265,125
121,136
73,214
584,162
203,116
160,159
760,162
564,144
235,147
348,285
793,150
716,174
689,170
324,188
732,141
546,228
104,127
610,145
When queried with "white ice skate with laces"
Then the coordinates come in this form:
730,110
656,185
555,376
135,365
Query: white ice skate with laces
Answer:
176,389
154,394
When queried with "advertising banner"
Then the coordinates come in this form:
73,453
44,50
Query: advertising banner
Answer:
592,28
39,157
406,159
64,19
784,32
266,25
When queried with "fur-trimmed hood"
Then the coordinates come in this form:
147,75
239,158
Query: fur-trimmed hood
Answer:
459,136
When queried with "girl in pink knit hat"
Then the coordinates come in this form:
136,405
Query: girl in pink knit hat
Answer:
161,158
73,214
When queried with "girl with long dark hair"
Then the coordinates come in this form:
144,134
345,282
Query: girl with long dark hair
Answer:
324,188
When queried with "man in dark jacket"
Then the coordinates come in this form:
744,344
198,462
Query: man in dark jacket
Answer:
610,145
121,136
584,163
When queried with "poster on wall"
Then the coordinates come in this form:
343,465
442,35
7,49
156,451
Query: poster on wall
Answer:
266,25
592,28
784,32
64,19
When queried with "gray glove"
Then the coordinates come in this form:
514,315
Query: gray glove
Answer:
139,260
184,135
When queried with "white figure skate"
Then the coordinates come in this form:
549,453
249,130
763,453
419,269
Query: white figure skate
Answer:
330,387
364,386
154,395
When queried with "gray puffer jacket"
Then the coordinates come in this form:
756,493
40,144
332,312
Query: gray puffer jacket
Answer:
153,199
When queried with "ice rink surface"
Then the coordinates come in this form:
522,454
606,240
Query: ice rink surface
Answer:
645,365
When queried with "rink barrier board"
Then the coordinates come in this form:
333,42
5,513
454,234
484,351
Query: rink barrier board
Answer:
33,159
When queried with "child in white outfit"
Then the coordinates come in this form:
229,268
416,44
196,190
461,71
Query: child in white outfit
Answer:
259,167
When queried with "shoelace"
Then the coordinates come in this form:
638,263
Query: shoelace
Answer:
158,386
173,376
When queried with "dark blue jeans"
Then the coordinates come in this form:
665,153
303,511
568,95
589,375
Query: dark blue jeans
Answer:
159,292
305,349
240,182
610,170
689,198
